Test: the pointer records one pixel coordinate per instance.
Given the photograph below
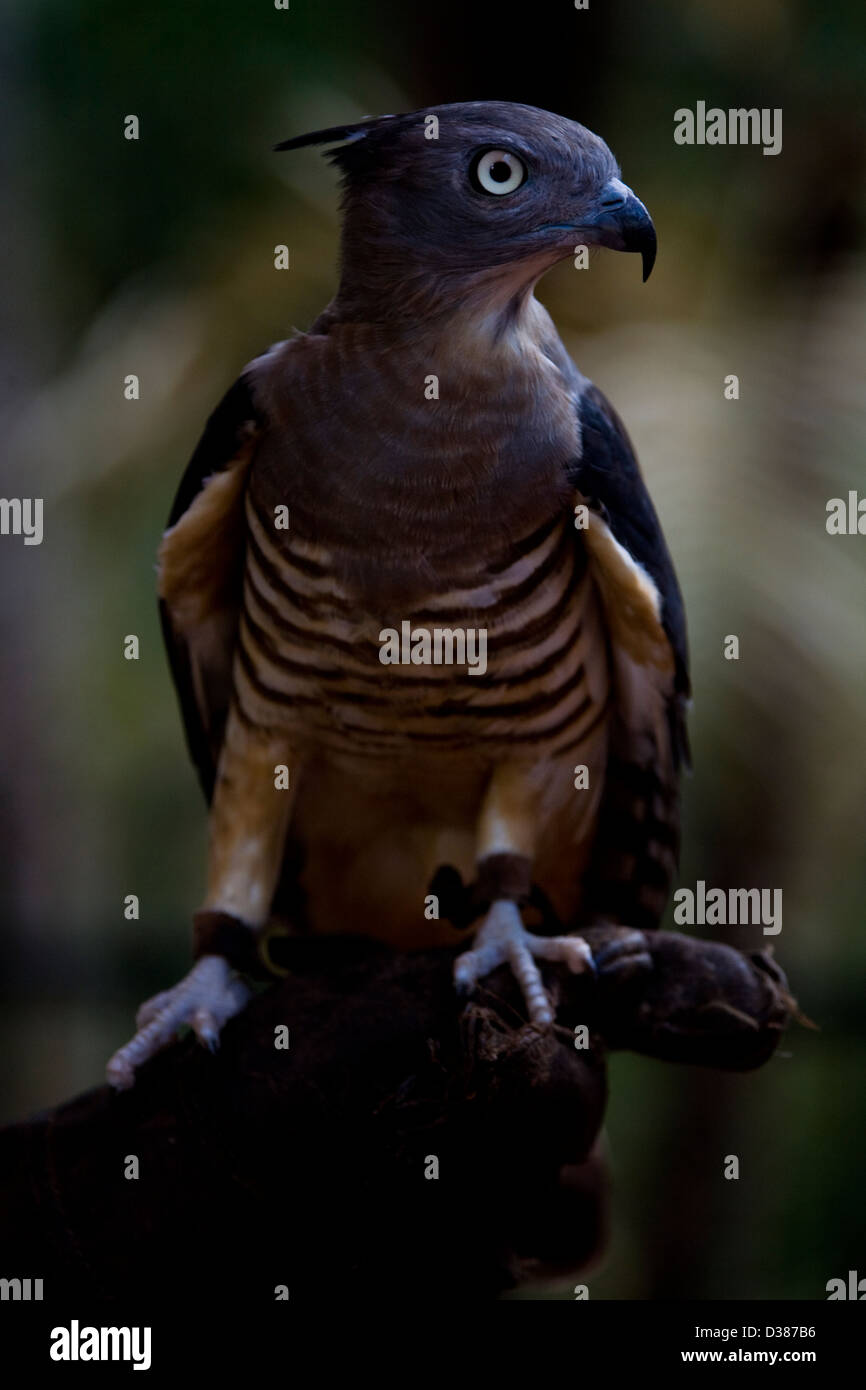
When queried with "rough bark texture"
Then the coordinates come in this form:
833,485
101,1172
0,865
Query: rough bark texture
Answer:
305,1167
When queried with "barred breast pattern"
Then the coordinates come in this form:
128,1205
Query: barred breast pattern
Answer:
308,654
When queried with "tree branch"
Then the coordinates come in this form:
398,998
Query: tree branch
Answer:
306,1167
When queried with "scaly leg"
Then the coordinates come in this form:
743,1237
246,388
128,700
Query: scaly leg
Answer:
506,844
248,822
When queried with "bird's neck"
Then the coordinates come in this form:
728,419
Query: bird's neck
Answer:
493,348
489,309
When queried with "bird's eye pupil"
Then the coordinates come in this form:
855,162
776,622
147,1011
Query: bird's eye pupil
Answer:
497,171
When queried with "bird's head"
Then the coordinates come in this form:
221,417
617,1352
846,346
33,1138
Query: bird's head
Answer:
442,201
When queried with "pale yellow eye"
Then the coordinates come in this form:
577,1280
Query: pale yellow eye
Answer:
499,171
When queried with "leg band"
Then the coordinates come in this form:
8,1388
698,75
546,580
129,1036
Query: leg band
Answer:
221,934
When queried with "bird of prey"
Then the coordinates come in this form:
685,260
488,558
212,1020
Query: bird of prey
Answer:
424,475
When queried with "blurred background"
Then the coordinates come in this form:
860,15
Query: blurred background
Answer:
155,257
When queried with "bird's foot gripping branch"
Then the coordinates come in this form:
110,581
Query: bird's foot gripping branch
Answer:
359,1083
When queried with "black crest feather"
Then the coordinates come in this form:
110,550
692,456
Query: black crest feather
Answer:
335,134
341,134
352,153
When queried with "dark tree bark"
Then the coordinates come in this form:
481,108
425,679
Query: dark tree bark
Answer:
306,1167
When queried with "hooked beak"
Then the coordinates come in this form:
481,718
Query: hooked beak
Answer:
621,222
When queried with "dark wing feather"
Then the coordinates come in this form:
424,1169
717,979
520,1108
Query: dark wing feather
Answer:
637,840
609,475
201,565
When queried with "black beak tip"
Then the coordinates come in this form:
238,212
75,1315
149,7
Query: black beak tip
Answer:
648,256
632,230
